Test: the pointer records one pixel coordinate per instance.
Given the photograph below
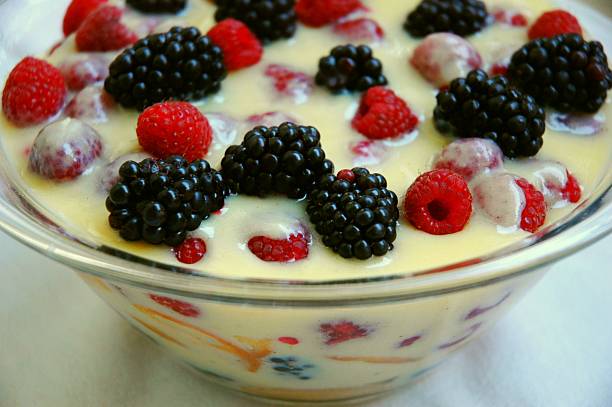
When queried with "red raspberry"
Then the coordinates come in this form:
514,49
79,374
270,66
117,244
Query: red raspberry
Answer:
438,202
182,307
91,105
534,212
317,13
287,250
571,191
240,46
342,331
361,29
552,23
76,13
103,30
34,92
510,17
498,69
170,128
290,82
190,251
84,70
382,114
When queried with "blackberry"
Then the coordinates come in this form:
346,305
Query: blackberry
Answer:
355,213
350,67
181,64
461,17
268,19
565,72
158,6
159,201
479,106
287,159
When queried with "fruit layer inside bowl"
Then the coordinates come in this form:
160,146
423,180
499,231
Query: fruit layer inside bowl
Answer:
313,141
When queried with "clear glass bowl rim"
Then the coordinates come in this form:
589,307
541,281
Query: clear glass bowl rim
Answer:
589,222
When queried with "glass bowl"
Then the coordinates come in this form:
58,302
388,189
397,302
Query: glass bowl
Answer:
307,341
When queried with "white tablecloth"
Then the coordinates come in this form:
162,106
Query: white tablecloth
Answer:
60,345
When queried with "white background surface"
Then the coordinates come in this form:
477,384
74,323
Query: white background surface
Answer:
62,346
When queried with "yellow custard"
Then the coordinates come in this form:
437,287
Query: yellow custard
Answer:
79,205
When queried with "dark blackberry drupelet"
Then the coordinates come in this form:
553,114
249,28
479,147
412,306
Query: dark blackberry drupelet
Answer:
158,6
350,67
268,19
461,17
181,64
355,213
159,201
479,106
565,72
287,159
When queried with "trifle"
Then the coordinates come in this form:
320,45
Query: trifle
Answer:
301,145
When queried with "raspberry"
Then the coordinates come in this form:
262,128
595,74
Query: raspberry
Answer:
182,307
90,105
470,157
382,114
360,29
554,22
190,251
317,13
510,17
342,331
438,202
103,30
63,150
368,152
76,13
174,128
571,191
270,119
289,82
534,211
84,70
34,92
294,248
240,46
498,69
442,57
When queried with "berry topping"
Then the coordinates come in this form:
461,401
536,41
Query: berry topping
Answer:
289,82
442,57
33,93
174,128
438,202
110,174
510,201
534,210
553,23
555,182
103,30
470,157
240,46
269,19
350,67
565,72
191,251
294,248
383,114
461,17
368,152
76,13
158,6
355,218
184,308
360,29
179,64
84,70
90,105
479,106
63,150
159,201
317,13
287,159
